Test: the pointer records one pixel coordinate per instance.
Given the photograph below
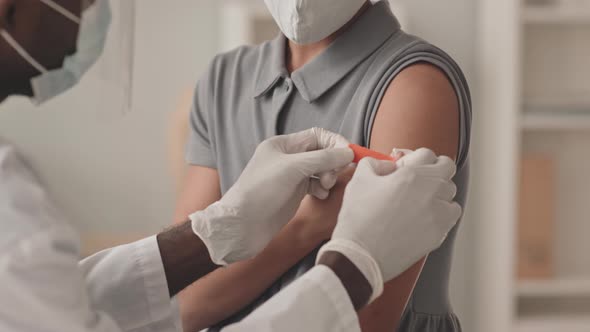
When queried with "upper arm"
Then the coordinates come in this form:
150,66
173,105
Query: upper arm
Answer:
178,133
45,257
419,109
201,188
200,182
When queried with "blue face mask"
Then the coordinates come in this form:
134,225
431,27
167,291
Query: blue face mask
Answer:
94,26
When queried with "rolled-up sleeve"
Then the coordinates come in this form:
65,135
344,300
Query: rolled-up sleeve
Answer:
200,149
316,302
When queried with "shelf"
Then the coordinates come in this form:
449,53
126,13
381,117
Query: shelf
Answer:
556,15
555,121
554,288
552,324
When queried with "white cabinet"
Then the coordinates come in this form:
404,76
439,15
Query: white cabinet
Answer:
569,324
533,98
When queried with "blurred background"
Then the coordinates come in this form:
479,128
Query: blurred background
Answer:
522,262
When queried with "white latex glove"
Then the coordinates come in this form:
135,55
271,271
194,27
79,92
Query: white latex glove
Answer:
268,193
390,218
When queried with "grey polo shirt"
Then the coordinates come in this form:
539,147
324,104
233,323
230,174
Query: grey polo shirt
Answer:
247,95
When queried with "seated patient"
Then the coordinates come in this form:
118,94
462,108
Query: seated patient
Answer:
351,70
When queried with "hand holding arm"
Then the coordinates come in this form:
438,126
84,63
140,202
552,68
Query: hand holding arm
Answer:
418,195
361,256
228,290
268,193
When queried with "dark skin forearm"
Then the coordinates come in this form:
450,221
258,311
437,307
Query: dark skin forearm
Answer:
183,267
357,286
184,256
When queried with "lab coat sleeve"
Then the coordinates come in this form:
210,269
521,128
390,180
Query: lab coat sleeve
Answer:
316,302
43,287
128,282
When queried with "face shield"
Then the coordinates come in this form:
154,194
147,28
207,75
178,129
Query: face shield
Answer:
111,80
106,64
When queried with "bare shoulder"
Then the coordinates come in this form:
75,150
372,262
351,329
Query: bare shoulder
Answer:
424,78
419,109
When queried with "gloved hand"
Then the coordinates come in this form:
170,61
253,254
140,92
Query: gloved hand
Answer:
268,193
390,218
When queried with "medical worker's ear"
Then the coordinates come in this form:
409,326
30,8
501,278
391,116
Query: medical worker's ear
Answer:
6,13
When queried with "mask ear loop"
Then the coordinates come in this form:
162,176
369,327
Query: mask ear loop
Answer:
22,52
60,9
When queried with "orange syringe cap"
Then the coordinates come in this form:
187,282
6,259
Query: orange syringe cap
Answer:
362,152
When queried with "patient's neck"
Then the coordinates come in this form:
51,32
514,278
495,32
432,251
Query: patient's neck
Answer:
298,55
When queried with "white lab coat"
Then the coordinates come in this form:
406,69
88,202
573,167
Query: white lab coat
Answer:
43,287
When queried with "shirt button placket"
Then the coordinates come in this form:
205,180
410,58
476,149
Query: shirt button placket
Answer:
289,85
280,97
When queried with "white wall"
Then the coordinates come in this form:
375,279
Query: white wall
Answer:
73,144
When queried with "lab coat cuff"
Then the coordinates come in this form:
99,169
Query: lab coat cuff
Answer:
361,258
333,290
163,311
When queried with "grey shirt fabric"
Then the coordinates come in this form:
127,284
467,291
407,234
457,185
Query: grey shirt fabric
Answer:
247,95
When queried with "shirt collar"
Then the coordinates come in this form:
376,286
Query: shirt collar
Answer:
369,32
270,73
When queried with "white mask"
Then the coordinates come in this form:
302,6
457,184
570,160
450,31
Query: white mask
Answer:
92,34
309,21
